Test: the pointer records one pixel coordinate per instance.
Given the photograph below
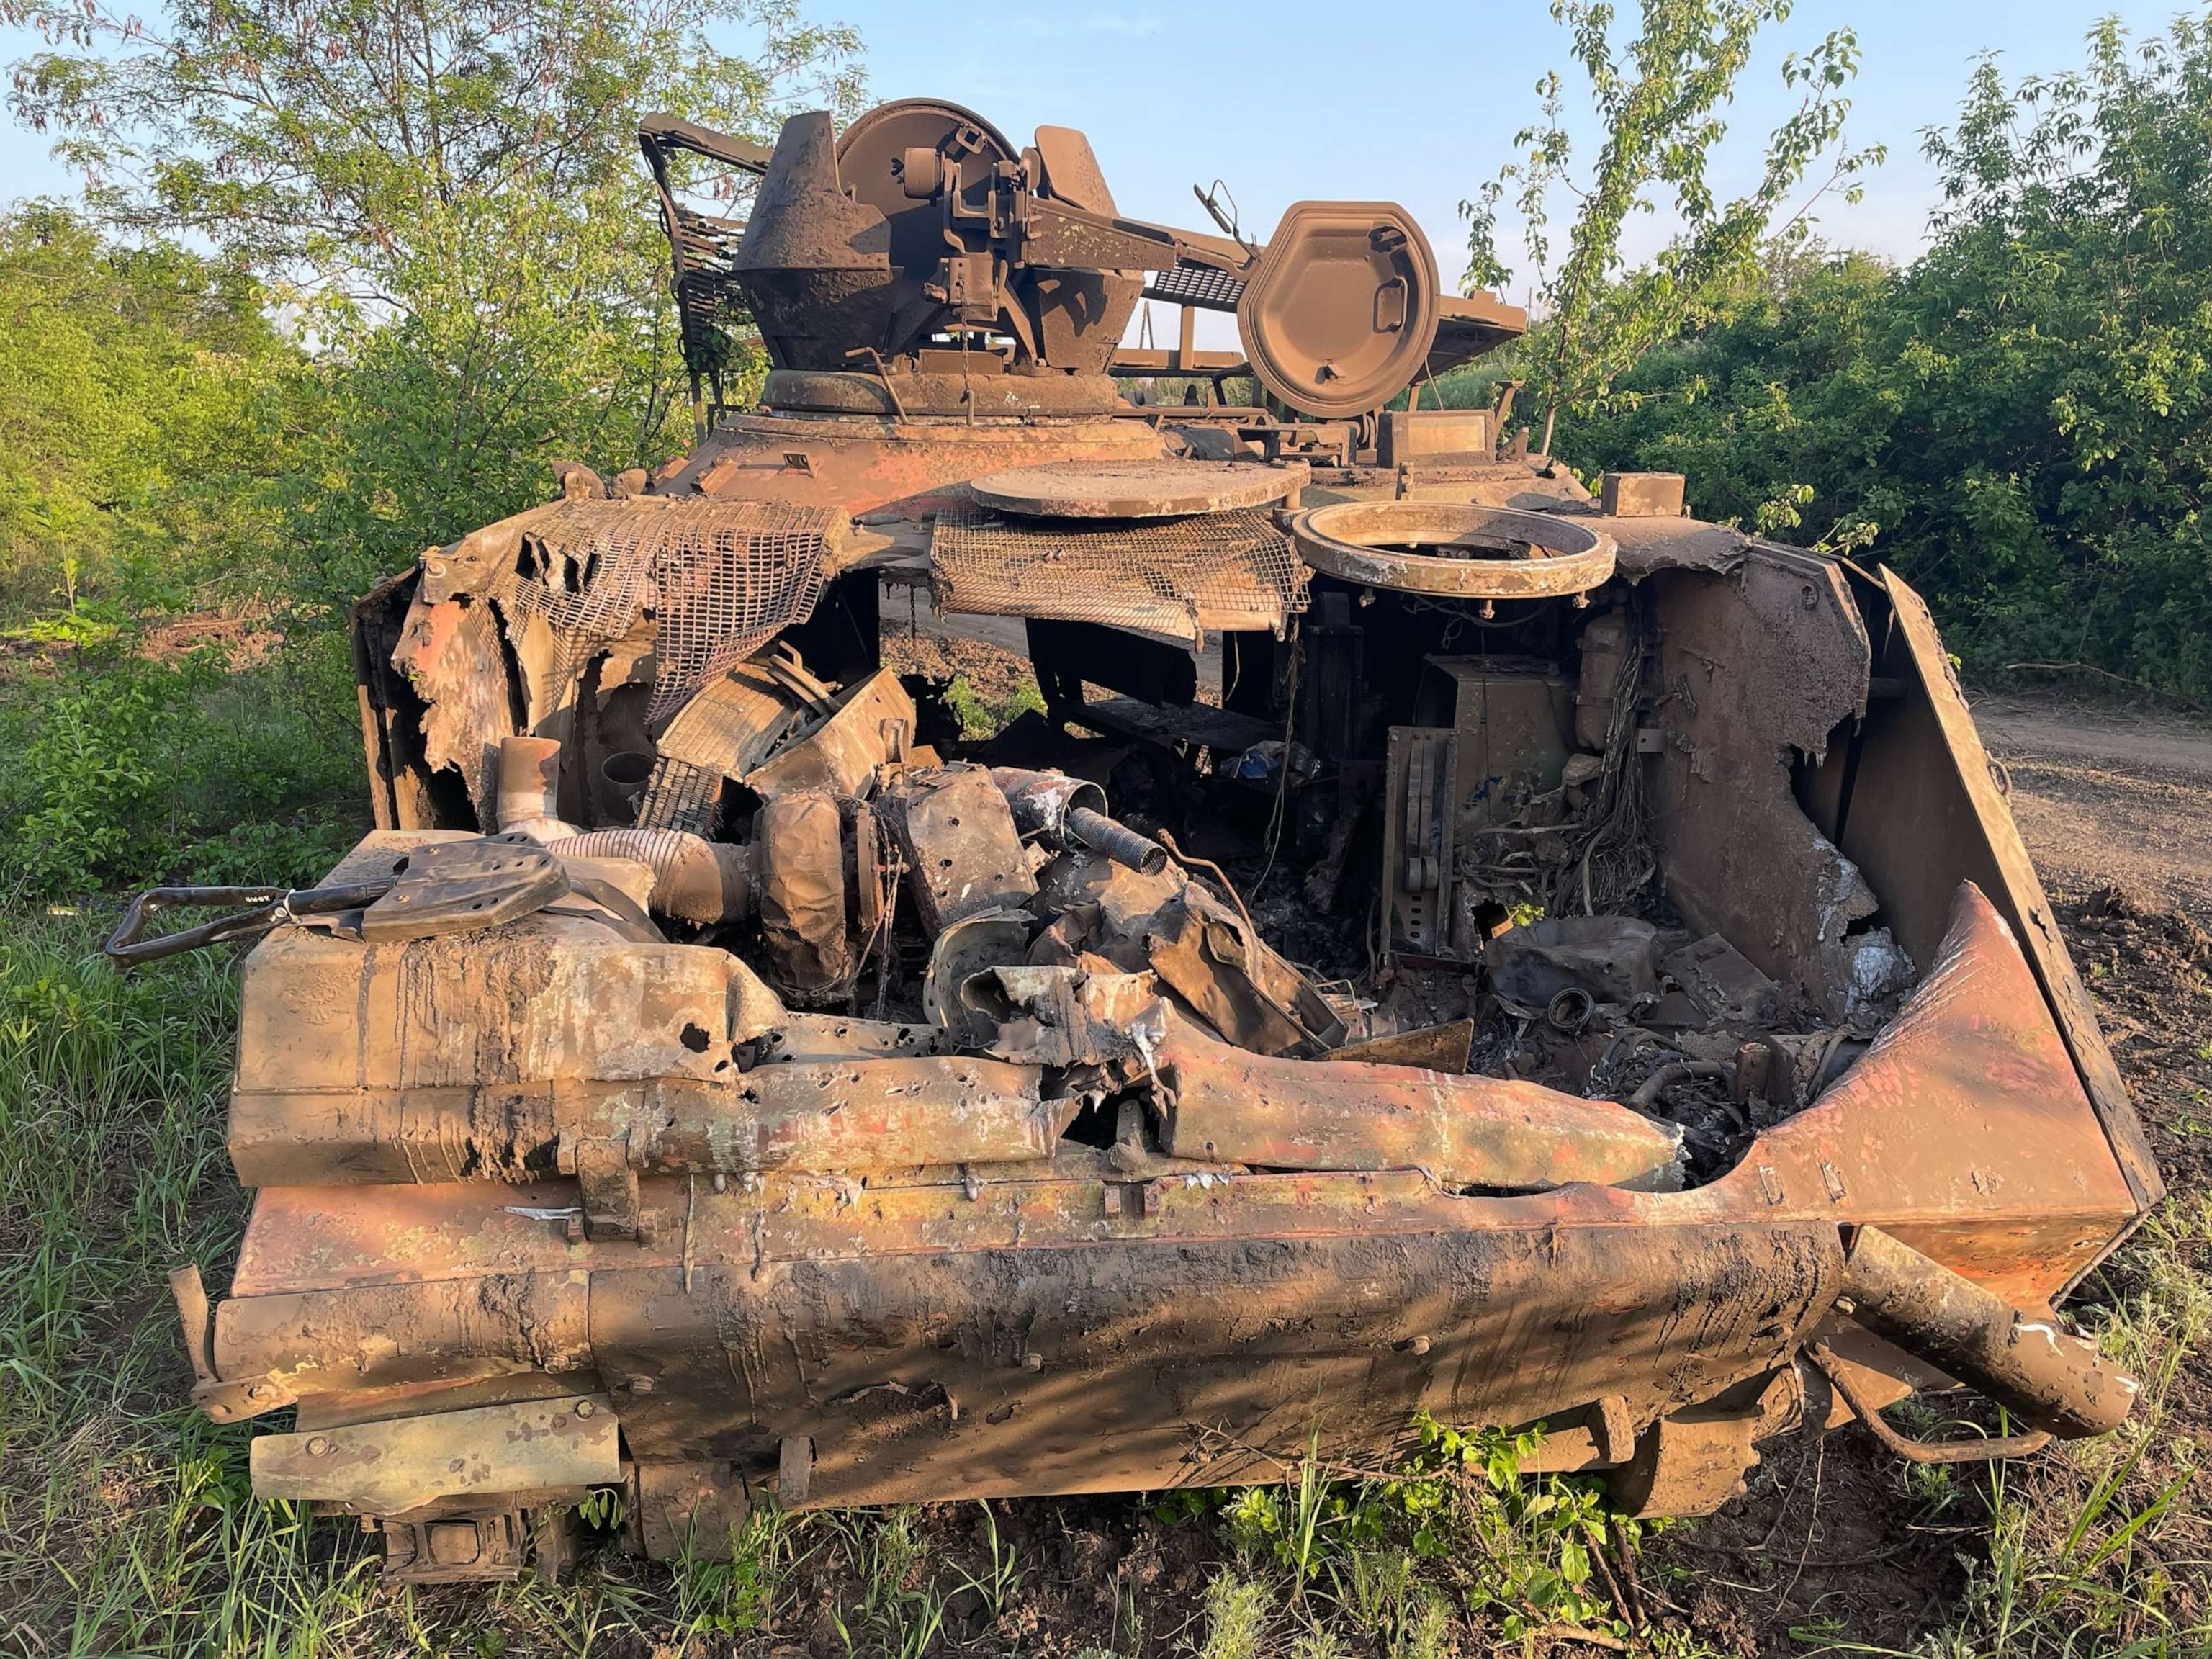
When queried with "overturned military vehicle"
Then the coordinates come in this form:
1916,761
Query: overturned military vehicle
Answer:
1448,942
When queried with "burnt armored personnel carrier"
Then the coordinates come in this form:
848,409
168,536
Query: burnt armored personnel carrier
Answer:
1448,942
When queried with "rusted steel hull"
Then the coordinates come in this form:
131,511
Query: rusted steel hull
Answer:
1023,1333
924,1307
1347,1115
1119,1189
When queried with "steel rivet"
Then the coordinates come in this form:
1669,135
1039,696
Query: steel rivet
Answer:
585,1408
318,1447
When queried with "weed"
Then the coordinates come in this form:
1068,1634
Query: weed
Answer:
983,717
2080,1539
1237,1611
739,1586
1001,1578
897,1611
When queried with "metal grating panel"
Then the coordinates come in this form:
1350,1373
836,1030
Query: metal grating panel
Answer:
1195,285
1213,571
680,796
722,579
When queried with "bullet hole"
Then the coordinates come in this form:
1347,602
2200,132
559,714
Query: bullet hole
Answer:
696,1039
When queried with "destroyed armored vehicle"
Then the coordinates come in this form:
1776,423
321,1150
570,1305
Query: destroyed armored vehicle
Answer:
1449,943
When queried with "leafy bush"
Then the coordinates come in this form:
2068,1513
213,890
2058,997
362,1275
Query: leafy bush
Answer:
115,770
2021,421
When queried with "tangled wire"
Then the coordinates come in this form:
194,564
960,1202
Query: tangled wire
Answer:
1611,859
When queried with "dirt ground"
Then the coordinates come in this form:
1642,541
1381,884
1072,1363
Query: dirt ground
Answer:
2106,795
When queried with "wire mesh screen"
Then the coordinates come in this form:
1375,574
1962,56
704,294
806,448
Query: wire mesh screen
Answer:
721,577
707,297
1213,571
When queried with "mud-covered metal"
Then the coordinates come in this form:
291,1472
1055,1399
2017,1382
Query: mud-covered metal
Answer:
1136,489
1161,1084
389,1468
1497,1134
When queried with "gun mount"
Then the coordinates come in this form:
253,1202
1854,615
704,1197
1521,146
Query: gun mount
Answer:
921,235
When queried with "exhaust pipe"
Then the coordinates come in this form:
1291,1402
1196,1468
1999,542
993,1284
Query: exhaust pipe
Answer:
2050,1380
693,879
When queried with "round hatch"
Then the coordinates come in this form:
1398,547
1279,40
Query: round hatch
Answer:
1150,488
1452,550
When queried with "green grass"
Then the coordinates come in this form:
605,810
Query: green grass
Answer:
981,716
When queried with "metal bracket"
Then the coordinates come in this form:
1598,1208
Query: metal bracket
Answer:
223,1402
1922,1451
608,1186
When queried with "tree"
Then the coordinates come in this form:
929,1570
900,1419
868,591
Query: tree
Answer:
447,196
2022,419
142,401
1657,98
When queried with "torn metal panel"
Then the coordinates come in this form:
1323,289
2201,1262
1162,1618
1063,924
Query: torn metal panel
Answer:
1432,1047
1064,1017
1465,1131
1608,958
871,724
957,833
1235,979
452,654
972,945
1963,1131
1765,662
1925,809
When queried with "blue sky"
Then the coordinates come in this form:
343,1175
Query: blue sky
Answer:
1418,104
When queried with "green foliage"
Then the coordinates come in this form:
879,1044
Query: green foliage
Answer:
1658,96
2021,422
983,716
448,194
1376,1556
141,394
899,1610
444,202
113,768
1237,1610
736,1588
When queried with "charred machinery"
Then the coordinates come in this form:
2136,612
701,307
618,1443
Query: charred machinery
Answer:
1448,942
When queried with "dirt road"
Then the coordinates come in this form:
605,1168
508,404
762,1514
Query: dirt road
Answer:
2104,795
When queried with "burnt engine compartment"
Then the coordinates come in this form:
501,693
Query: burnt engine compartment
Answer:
1411,831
